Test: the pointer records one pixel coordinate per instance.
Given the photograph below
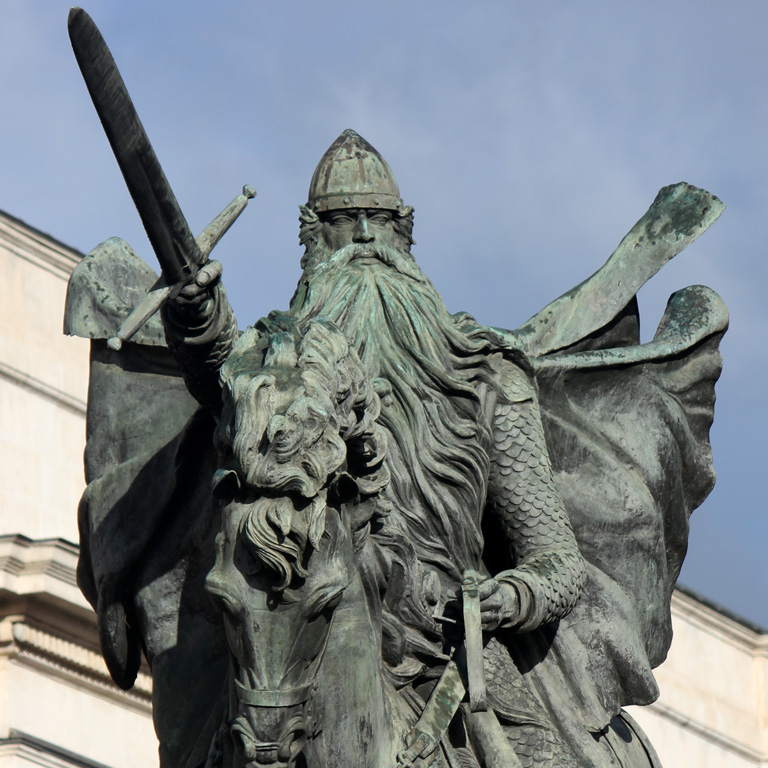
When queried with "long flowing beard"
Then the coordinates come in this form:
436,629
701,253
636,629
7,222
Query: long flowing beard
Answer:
438,444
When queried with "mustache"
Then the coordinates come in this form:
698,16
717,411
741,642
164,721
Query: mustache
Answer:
390,257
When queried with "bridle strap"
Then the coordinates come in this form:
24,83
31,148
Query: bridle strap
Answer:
285,697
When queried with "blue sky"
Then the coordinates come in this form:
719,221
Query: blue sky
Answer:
528,136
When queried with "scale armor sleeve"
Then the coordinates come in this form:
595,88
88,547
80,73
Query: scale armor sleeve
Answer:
202,348
548,570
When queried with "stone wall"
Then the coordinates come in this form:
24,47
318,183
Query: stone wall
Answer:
713,709
58,706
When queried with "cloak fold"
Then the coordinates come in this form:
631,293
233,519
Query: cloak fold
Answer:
147,518
627,427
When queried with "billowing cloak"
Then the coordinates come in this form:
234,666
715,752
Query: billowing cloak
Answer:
147,518
627,428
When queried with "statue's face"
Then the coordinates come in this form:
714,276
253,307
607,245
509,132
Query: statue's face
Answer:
358,225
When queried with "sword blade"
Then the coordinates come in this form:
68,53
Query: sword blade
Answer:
168,231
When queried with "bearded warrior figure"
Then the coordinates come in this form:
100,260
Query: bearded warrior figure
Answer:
553,468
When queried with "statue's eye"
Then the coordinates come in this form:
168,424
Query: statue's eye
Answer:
341,221
380,219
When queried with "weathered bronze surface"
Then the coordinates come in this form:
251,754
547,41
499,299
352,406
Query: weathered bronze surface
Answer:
366,532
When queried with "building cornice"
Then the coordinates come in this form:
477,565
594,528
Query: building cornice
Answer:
732,630
36,386
720,740
37,248
41,567
30,749
47,623
33,646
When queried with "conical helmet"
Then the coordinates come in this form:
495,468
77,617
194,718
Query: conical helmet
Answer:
352,174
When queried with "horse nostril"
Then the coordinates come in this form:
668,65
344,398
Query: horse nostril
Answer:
218,591
343,488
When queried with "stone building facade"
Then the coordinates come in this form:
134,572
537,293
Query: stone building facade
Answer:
713,709
58,706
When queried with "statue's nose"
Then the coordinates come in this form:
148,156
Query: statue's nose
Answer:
362,234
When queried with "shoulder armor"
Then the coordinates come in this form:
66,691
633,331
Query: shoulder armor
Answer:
515,384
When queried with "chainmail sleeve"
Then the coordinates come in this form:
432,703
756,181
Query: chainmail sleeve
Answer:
201,342
548,570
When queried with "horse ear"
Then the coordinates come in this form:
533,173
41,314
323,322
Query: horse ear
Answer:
225,484
343,488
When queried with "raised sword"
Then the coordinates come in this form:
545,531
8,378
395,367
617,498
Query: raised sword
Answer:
179,253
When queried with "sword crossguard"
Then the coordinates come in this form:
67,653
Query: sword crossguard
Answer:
161,292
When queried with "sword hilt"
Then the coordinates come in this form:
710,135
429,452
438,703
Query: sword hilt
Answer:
161,291
473,641
211,235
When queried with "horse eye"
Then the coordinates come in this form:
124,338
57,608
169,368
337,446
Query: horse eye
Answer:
244,560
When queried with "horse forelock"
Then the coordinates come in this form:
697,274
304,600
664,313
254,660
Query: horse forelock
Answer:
276,531
291,423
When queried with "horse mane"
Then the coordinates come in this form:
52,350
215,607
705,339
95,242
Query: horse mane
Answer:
298,409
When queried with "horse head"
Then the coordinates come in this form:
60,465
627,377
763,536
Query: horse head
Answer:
298,440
